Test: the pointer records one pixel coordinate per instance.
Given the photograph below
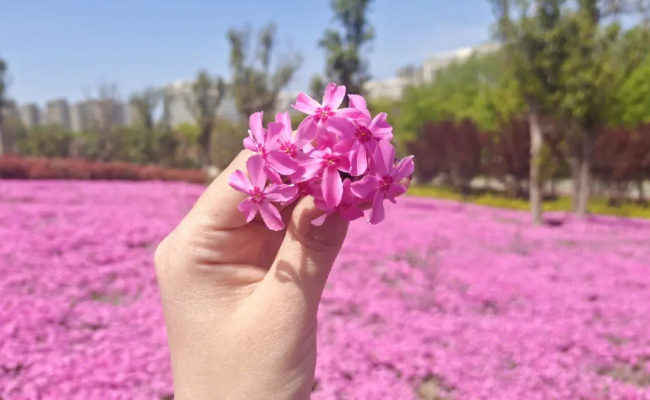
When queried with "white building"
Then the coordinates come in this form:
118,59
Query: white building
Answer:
393,88
97,114
30,115
58,113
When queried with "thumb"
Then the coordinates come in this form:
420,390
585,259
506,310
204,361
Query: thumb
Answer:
298,275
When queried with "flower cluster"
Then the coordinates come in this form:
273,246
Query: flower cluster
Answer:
342,157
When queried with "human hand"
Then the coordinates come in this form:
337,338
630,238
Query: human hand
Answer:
240,300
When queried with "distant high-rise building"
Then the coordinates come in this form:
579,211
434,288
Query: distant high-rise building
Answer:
180,112
58,113
80,117
10,110
97,114
30,115
393,88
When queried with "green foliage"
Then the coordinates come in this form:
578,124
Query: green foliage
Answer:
634,96
254,85
52,141
317,86
345,64
203,101
475,89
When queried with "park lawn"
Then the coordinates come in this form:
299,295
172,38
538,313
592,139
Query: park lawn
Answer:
562,203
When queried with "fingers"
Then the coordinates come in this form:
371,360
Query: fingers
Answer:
218,204
304,260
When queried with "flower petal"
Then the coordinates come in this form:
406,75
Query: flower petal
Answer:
380,127
249,208
320,220
404,168
240,182
357,102
305,104
271,216
351,213
358,159
281,193
394,191
250,144
256,127
332,186
309,169
365,187
256,173
343,126
281,162
384,157
306,132
334,96
377,212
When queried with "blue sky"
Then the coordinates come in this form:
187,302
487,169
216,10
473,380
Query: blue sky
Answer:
67,47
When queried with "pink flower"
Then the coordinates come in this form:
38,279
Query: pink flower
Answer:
384,181
321,113
348,208
327,162
288,142
265,143
360,136
260,195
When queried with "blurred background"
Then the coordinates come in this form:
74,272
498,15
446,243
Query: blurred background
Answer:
539,109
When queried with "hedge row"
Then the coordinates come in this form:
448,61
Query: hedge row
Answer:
15,167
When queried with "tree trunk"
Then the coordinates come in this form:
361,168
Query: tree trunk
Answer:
1,138
585,181
574,160
534,186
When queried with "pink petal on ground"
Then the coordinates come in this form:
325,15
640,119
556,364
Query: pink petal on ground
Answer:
334,96
271,216
332,186
249,208
256,173
305,104
240,182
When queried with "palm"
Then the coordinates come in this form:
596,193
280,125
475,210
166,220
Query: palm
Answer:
229,288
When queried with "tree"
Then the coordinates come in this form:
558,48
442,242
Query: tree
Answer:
106,113
3,88
634,96
204,99
144,104
317,86
533,44
591,78
255,84
345,63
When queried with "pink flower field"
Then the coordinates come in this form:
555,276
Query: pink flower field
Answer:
442,301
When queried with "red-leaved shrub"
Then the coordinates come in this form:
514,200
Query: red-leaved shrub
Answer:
15,167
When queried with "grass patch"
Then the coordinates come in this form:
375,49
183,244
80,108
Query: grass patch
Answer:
562,203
